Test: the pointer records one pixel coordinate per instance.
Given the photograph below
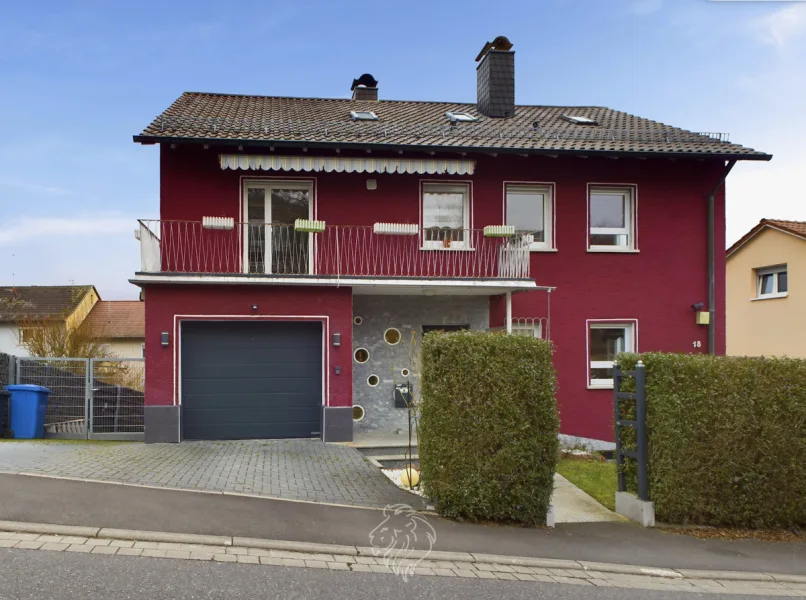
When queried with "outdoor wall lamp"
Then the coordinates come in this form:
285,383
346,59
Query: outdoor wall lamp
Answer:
164,338
254,307
336,340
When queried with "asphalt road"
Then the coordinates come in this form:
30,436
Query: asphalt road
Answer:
35,499
40,575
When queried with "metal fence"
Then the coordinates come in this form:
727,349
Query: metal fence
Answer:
632,419
90,398
339,250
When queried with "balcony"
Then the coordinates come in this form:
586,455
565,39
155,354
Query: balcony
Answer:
218,250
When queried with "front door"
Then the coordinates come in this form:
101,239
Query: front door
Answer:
272,245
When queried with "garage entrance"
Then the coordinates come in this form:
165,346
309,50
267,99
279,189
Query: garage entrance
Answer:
249,380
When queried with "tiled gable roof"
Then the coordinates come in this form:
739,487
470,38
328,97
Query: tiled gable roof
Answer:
117,319
797,228
414,124
39,301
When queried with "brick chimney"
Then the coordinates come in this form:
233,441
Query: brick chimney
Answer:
495,79
365,88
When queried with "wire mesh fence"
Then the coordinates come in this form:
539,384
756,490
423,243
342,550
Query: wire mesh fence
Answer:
117,395
88,396
66,378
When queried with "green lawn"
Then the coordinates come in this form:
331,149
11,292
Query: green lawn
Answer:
596,478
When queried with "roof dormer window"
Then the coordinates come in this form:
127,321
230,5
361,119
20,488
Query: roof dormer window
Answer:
363,115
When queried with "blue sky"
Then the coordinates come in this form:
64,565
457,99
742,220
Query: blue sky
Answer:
78,79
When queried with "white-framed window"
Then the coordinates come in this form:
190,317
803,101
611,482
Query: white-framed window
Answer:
446,216
611,218
606,339
772,282
529,209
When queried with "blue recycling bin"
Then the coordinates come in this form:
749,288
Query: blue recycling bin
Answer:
28,406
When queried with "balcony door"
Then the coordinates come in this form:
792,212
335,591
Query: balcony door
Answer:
271,244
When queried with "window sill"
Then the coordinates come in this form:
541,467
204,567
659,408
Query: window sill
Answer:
769,297
442,249
599,250
603,386
542,249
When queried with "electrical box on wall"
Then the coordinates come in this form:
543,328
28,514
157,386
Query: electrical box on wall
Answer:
703,317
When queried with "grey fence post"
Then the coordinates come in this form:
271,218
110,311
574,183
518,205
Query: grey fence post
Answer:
640,417
639,425
88,408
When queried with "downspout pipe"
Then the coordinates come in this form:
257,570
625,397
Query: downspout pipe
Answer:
712,260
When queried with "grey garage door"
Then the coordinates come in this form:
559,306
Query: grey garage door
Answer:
246,380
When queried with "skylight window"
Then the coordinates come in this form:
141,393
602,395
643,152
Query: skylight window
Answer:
363,115
580,120
460,117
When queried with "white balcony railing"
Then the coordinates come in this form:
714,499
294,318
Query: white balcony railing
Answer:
223,247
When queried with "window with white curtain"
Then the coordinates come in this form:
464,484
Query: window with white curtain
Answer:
446,216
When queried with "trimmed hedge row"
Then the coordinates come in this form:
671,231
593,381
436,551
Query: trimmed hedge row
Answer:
488,426
727,439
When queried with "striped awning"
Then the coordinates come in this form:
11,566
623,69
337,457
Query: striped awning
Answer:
338,164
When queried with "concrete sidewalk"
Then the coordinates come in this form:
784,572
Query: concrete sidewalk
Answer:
34,499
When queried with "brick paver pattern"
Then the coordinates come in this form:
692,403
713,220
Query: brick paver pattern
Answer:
368,564
291,469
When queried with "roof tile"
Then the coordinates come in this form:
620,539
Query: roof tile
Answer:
267,119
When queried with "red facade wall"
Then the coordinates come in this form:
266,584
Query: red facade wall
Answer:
165,304
656,286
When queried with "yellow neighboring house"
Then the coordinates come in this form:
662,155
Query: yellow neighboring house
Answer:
121,325
766,291
68,304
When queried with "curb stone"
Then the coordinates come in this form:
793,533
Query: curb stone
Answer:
460,557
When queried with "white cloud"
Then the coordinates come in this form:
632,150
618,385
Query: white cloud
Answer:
26,229
645,7
782,26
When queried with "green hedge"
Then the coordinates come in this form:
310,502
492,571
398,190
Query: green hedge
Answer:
488,426
727,439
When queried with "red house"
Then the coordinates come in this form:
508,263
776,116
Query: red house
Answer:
305,244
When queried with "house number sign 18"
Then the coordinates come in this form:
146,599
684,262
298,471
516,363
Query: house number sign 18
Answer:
697,344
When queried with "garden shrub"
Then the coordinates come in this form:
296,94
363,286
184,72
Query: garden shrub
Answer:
727,439
488,426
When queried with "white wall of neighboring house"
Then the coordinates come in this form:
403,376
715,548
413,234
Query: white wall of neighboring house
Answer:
9,340
126,348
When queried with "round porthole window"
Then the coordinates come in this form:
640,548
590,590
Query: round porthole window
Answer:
358,412
361,355
358,321
373,380
391,336
405,372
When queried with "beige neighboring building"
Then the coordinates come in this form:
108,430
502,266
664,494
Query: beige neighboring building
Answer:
766,291
121,325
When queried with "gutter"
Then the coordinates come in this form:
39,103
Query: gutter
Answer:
712,260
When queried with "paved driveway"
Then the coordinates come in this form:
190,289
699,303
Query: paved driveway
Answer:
292,469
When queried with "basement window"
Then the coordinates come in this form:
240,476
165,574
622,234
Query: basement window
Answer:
454,117
363,115
580,120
